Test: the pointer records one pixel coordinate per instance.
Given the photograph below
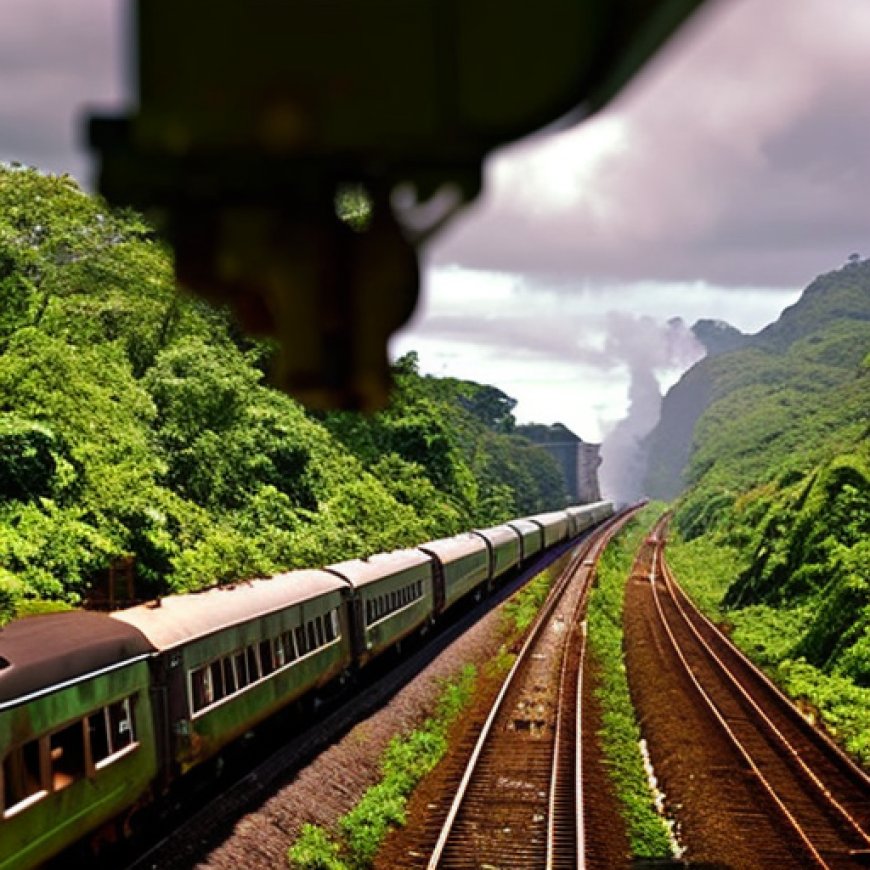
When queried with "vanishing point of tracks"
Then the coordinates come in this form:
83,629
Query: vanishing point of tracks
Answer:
516,804
821,799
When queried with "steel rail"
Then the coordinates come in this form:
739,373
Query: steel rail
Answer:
720,718
587,553
784,742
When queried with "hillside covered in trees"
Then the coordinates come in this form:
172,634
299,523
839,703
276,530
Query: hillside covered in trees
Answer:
771,440
136,422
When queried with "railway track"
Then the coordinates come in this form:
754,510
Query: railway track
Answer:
518,800
187,835
820,798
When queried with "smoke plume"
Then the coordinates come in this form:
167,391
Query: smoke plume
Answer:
651,351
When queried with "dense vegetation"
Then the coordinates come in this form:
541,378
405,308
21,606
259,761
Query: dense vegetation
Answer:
648,832
778,496
407,759
137,422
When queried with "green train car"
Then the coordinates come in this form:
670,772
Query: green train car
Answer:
395,594
76,731
228,658
100,713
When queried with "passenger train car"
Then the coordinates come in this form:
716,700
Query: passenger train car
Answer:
99,713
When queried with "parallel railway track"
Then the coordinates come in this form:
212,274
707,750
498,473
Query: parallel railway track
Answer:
819,795
518,802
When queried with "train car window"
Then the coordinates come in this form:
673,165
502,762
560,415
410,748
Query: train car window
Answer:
200,689
301,645
318,628
121,724
66,749
22,774
229,676
111,729
266,662
369,613
253,664
329,626
217,681
278,646
312,640
290,647
98,735
240,661
393,602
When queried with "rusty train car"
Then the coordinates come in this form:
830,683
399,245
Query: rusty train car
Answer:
101,712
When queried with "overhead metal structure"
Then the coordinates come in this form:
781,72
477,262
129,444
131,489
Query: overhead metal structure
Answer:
297,152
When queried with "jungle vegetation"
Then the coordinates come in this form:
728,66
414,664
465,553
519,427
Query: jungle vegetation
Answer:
775,517
137,423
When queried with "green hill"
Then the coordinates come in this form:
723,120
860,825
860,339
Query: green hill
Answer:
136,422
770,444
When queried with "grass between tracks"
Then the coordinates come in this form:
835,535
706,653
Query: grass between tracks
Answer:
406,760
409,757
769,636
647,831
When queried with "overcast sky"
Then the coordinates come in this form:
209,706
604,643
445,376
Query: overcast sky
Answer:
724,179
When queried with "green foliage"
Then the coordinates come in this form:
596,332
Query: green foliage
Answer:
27,459
406,760
136,422
314,849
776,521
774,636
523,607
647,832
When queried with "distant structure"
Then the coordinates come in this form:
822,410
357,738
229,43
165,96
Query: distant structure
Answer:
579,459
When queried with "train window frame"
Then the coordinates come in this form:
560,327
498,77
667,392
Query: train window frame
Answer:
77,731
67,753
249,665
40,744
126,707
267,662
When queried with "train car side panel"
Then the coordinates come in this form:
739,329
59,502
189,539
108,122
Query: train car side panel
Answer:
396,596
464,562
504,545
232,680
74,759
531,537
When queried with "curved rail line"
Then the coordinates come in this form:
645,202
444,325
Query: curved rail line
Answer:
822,795
519,801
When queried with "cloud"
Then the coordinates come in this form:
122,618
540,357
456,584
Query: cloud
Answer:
737,159
57,59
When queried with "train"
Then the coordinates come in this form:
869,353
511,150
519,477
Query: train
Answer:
101,712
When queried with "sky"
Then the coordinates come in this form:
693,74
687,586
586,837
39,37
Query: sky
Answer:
718,184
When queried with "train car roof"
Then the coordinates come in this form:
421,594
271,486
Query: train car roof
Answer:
39,653
182,618
499,534
360,572
549,518
524,526
456,547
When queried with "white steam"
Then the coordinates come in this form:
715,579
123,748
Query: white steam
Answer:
652,352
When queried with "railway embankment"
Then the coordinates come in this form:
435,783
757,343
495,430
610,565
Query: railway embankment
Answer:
751,782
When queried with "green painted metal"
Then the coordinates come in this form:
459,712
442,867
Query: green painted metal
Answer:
199,736
38,830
